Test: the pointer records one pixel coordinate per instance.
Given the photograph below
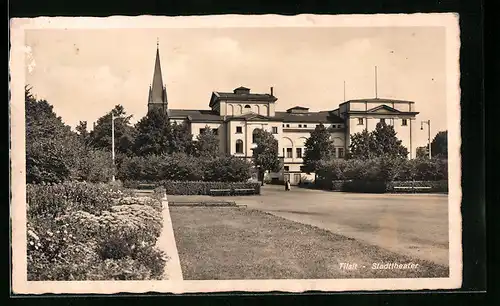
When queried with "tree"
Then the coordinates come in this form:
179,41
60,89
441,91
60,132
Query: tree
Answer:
387,143
439,145
155,134
362,145
382,141
51,147
179,137
265,154
151,135
207,144
100,137
318,147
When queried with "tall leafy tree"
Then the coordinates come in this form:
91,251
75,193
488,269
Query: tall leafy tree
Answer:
439,145
362,145
151,135
207,144
100,136
179,137
387,143
155,134
51,147
265,154
382,141
318,147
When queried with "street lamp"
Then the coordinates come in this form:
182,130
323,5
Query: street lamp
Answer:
428,122
113,142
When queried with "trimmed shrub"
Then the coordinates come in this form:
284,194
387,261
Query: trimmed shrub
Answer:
183,167
227,169
203,188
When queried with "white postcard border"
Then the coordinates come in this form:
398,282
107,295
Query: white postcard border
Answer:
18,51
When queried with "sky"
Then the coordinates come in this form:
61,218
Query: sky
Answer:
84,73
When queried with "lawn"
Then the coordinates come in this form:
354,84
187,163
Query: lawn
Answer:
238,243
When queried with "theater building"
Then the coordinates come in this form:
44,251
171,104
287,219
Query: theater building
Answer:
235,115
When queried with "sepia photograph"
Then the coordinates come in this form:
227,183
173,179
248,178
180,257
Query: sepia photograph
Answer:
235,153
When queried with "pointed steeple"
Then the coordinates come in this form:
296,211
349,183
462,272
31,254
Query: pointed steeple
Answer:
157,91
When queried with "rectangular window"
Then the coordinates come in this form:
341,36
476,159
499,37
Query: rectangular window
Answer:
340,153
299,152
305,125
283,152
382,120
202,131
360,121
300,125
286,168
289,153
405,122
275,130
239,146
239,130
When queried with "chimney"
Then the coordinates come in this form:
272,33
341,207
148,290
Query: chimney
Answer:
272,91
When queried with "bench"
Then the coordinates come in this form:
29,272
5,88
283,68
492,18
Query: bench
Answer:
245,190
146,186
412,187
220,191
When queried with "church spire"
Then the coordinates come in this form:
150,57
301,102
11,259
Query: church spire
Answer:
158,94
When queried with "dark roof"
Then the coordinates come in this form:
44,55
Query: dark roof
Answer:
298,107
195,114
248,97
201,115
379,100
242,87
322,116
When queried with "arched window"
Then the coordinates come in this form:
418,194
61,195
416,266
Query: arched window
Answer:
239,146
248,106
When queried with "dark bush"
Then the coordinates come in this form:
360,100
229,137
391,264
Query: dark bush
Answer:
227,169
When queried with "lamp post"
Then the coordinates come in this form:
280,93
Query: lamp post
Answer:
113,142
428,122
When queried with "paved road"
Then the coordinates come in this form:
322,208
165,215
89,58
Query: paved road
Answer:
408,224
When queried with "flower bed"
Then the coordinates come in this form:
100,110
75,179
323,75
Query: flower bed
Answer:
82,231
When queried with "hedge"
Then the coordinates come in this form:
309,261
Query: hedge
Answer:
365,186
435,186
183,167
203,188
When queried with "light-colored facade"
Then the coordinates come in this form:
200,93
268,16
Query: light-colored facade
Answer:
236,115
